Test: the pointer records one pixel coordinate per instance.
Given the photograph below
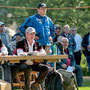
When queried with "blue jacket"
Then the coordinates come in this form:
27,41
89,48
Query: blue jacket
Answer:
43,25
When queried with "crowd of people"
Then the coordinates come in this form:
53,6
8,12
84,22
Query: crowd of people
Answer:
37,36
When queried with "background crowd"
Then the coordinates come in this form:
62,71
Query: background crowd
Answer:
38,34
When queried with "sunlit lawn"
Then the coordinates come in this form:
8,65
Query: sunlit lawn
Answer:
86,83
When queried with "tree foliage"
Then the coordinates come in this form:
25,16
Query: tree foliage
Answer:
74,17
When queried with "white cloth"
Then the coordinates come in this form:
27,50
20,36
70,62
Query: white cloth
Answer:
78,41
30,46
4,50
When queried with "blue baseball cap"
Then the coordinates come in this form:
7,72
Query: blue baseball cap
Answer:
19,34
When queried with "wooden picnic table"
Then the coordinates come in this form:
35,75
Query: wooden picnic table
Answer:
50,58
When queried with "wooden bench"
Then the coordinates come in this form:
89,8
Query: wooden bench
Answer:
21,83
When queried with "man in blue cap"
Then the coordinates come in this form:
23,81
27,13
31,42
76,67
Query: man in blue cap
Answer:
42,24
15,39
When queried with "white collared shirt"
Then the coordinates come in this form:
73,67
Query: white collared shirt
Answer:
30,46
66,35
78,41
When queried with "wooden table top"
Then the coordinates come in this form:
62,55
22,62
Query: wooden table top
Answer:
51,58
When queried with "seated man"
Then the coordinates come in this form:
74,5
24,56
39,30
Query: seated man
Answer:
62,48
29,46
17,37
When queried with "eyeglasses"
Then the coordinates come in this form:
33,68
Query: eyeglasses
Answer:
65,42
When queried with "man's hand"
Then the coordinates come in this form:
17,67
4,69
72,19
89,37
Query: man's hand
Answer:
35,53
64,66
73,68
2,54
50,38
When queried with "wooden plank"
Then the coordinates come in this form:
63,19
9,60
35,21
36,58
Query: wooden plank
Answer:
14,61
36,60
18,84
48,57
50,60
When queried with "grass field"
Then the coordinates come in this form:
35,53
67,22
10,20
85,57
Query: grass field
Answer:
86,83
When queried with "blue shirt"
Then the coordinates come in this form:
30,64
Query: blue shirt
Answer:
43,25
5,38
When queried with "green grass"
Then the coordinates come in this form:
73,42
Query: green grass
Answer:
86,83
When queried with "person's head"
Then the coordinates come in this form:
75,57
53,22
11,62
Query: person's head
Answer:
19,36
30,33
66,29
58,30
2,26
42,9
73,31
56,25
59,38
65,42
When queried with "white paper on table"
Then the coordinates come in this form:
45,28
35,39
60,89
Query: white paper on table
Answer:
19,51
70,69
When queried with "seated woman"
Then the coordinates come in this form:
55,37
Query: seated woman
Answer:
3,49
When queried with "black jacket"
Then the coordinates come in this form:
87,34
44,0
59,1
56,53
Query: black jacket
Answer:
85,44
24,45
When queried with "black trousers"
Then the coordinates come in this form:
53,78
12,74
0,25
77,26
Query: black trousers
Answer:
23,67
41,68
77,56
43,71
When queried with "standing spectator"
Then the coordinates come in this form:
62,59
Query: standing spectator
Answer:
3,35
68,35
86,46
58,32
78,40
42,24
